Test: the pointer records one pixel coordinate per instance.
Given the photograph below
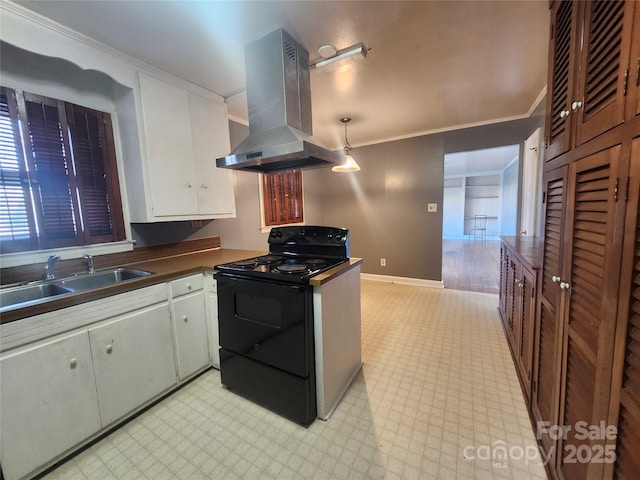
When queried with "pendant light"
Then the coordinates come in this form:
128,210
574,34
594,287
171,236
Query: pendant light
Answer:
349,164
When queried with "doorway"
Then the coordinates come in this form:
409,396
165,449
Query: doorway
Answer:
480,182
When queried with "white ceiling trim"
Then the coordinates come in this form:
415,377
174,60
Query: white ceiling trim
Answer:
537,101
239,120
446,129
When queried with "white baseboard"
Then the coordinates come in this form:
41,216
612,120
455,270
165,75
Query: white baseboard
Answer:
404,280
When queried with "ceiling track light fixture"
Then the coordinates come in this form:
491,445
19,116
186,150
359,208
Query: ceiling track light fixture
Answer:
329,54
349,165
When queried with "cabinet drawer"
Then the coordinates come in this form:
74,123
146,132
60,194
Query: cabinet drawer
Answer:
186,285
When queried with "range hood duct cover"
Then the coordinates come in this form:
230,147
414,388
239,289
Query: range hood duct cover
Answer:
279,101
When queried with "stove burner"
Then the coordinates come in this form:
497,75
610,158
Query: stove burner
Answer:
292,268
268,259
250,263
315,262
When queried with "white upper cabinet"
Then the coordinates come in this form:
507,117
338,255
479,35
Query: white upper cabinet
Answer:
210,135
182,134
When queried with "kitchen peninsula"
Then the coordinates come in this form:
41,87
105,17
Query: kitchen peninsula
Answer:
57,357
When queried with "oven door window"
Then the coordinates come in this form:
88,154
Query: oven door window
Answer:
266,322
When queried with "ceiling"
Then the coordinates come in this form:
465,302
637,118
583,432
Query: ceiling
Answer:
432,66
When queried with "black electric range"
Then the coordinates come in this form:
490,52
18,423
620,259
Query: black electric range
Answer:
265,319
295,254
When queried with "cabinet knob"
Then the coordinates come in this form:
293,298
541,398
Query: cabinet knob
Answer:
564,285
185,318
109,349
576,105
188,185
73,363
204,186
555,279
188,286
564,113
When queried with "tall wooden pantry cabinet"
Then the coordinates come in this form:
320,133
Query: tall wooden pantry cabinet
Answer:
586,365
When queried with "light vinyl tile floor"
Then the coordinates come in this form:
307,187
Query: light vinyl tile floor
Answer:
438,398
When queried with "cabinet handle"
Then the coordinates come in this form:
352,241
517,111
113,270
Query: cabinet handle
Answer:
576,105
185,318
555,279
564,113
73,363
109,349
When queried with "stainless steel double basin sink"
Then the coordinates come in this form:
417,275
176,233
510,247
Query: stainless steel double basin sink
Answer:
33,293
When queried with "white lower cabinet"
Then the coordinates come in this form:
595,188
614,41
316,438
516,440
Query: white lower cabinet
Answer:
48,403
191,334
132,361
212,318
121,352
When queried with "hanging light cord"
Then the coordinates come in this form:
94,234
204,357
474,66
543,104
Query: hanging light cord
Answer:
347,147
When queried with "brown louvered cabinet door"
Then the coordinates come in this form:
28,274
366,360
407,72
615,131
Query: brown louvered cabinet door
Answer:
546,367
526,326
589,292
562,45
512,303
604,68
502,304
633,103
625,402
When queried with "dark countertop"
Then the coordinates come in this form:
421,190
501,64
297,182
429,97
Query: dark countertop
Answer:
527,248
164,270
324,277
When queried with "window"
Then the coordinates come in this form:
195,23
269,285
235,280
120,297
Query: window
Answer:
58,178
282,197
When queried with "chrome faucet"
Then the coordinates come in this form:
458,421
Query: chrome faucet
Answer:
89,259
49,268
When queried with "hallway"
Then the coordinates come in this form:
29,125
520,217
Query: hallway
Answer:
471,265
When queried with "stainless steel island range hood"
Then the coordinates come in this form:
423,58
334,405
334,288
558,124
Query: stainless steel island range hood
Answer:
279,100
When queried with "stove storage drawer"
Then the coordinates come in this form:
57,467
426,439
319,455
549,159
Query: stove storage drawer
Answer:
291,396
267,322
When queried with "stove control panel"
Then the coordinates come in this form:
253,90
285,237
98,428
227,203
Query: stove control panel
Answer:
308,235
310,240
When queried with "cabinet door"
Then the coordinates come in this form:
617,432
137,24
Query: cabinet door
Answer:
214,342
49,403
547,363
503,285
625,410
604,67
210,133
525,335
190,325
590,292
513,273
133,361
562,46
633,104
167,127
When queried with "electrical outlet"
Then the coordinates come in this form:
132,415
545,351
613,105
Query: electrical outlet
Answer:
383,262
432,207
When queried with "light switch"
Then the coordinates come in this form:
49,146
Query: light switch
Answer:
432,207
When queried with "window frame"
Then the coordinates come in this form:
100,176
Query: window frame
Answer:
265,226
76,156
